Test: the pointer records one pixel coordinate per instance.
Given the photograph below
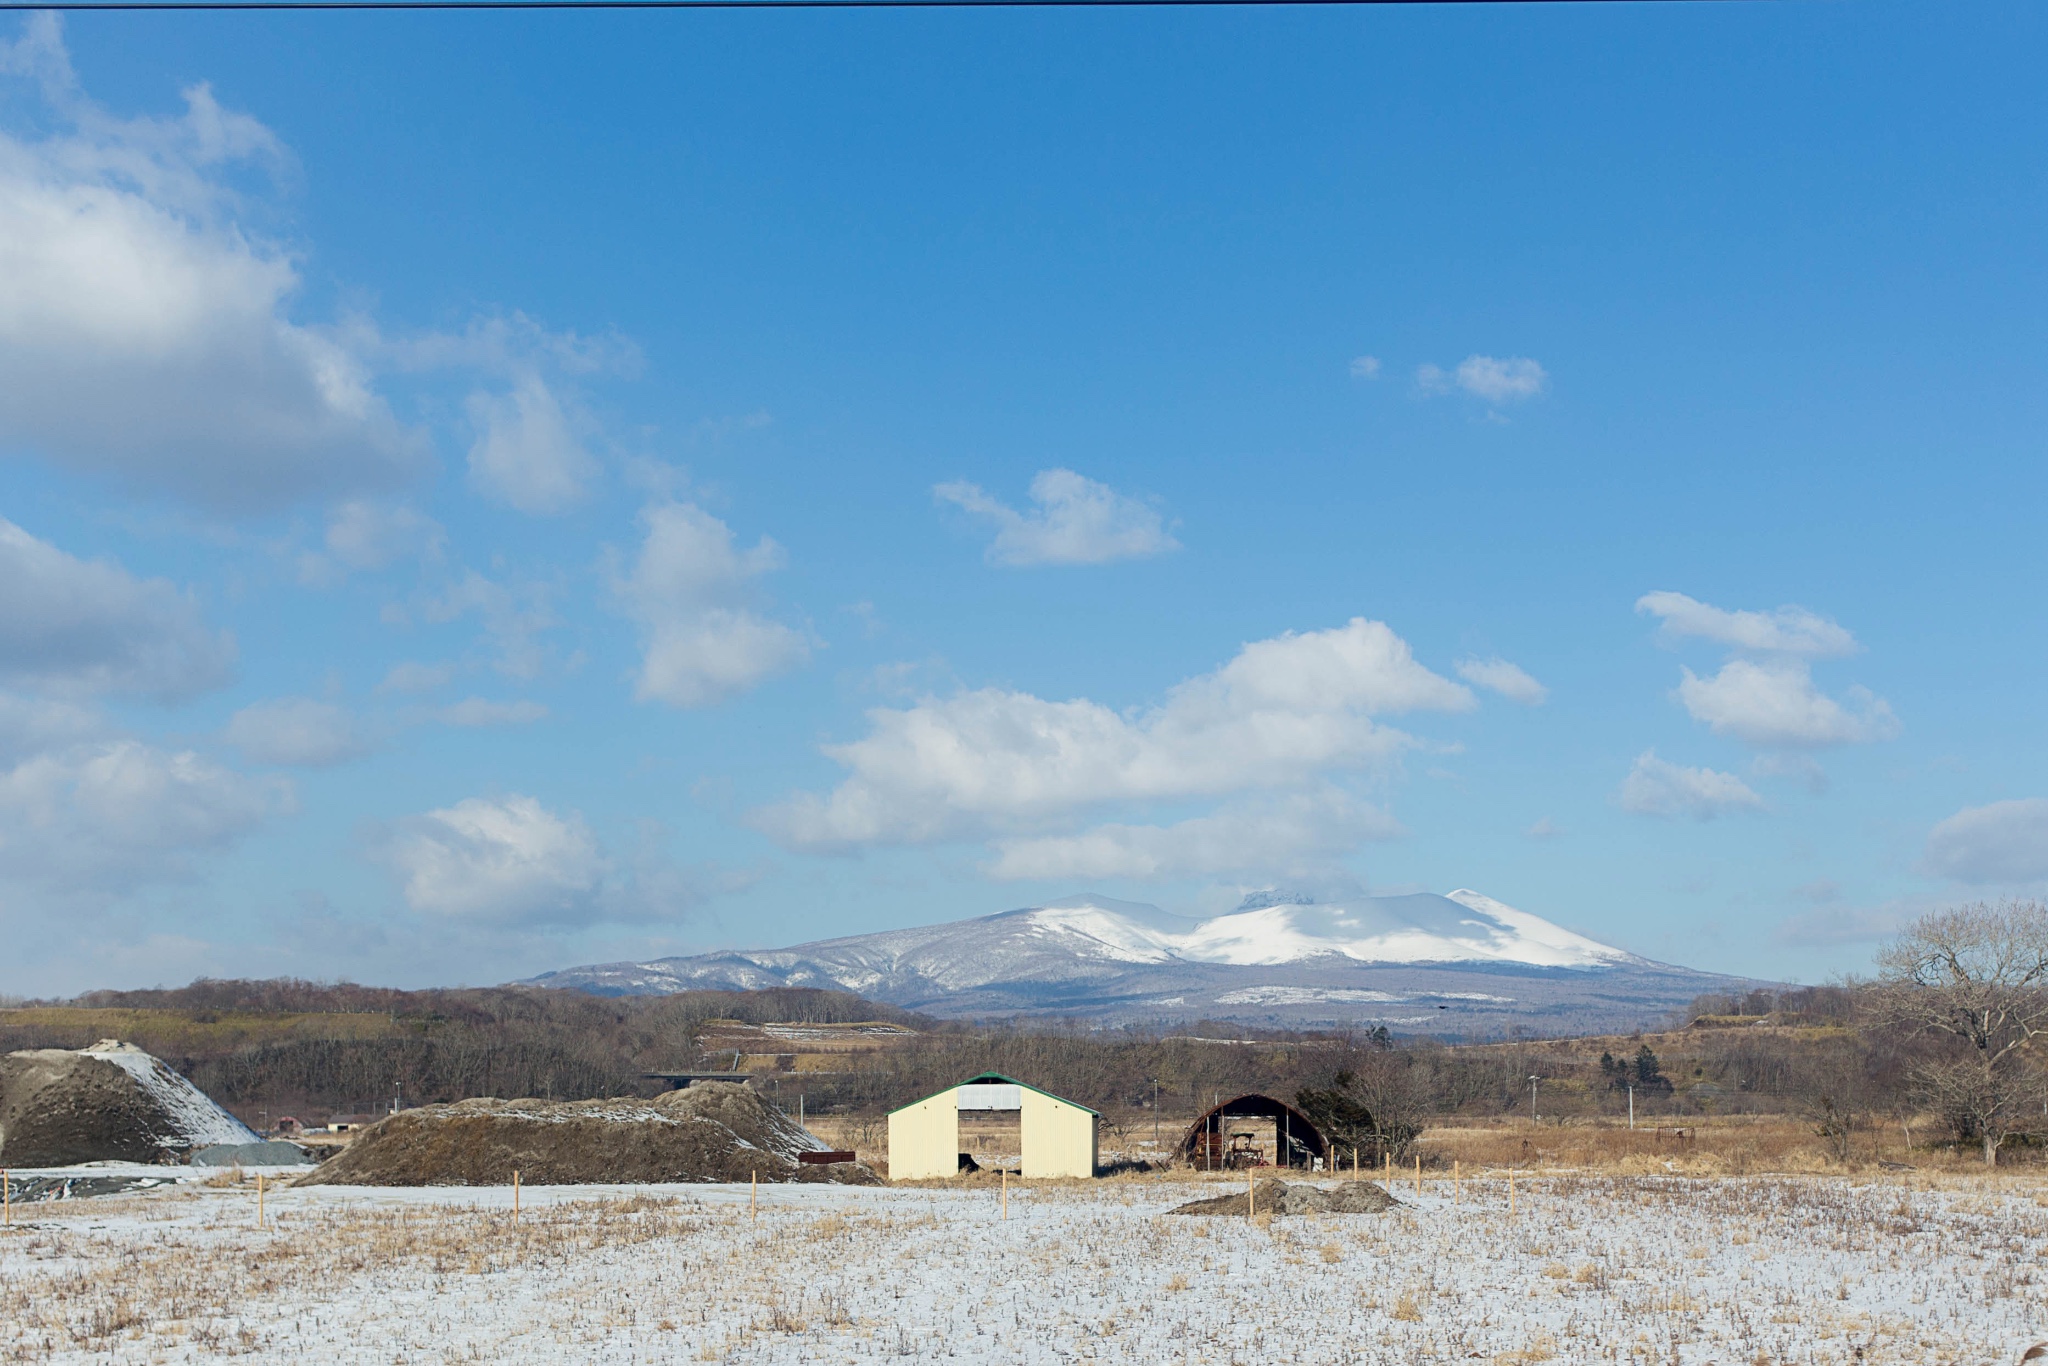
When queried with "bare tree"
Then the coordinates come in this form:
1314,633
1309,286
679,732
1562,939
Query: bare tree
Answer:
1973,981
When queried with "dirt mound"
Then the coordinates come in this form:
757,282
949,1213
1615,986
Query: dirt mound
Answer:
108,1103
1277,1197
713,1131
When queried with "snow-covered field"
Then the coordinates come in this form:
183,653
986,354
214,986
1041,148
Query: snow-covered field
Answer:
1587,1268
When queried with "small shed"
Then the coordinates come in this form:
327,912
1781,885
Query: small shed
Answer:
1212,1142
1058,1136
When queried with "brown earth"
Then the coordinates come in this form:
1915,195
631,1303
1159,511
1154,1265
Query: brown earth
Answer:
713,1131
1273,1196
58,1107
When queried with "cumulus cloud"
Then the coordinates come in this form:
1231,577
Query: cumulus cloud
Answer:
2000,843
690,588
1076,521
1499,676
109,816
1829,925
413,676
527,453
1774,704
1493,379
478,711
1657,788
1280,712
1764,695
365,534
145,332
1365,367
1788,630
296,731
89,626
515,617
509,861
1271,836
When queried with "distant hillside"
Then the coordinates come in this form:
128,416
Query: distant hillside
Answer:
1461,965
312,1050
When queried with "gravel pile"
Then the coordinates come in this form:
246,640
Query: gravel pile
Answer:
713,1131
108,1103
1274,1196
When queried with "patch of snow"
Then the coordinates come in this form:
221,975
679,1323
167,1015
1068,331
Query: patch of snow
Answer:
198,1121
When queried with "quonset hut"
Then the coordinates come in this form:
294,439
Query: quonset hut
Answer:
1234,1134
1054,1136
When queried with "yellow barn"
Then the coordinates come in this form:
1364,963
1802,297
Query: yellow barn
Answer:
1056,1136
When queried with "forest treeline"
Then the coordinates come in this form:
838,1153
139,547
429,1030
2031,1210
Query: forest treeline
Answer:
322,1049
1954,1028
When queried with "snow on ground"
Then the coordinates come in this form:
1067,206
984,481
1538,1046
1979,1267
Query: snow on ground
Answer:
1587,1268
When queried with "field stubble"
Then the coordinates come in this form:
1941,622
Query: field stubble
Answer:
1917,1268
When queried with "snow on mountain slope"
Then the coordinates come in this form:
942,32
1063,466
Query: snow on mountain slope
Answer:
1092,938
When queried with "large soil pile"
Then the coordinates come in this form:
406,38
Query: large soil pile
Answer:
713,1131
1277,1197
108,1103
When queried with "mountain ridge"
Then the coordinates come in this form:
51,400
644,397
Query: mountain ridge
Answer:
1421,959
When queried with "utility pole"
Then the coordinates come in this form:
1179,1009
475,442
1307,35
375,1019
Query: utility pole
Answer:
1532,1098
1631,1105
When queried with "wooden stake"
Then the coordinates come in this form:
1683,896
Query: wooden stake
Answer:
1418,1173
1454,1182
1006,1193
753,1195
1251,1196
259,1199
1354,1161
6,1199
515,1195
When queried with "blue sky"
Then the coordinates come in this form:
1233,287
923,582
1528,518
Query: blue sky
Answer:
487,492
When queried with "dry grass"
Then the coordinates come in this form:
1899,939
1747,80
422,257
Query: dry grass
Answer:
1924,1268
1736,1145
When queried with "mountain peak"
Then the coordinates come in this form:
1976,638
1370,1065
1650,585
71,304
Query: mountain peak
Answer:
1273,896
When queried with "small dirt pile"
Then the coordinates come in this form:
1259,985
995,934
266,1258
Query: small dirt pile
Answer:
713,1131
108,1103
1277,1197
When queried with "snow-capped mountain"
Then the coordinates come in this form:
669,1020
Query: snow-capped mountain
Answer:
1462,962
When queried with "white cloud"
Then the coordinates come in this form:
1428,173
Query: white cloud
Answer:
1077,521
1365,367
412,676
1656,788
1828,925
1280,712
110,816
363,534
144,332
1496,380
1774,704
1789,630
527,453
1498,675
89,626
689,588
1270,836
514,617
298,731
1499,380
478,711
1545,829
507,862
2002,842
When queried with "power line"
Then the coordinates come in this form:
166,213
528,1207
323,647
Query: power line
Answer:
85,6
